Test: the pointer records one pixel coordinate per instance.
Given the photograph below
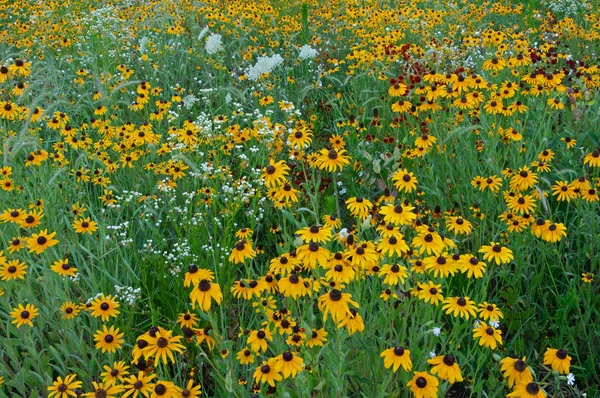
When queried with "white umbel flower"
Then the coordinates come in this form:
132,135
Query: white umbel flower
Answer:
213,44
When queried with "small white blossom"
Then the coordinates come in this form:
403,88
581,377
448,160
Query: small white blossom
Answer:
213,44
307,52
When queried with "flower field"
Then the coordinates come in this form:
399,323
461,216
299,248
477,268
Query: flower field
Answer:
330,198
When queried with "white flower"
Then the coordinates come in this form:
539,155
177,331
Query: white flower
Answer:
436,331
307,52
570,379
213,43
263,65
189,101
432,354
494,323
343,233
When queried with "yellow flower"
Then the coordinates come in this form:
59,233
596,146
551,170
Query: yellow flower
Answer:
395,357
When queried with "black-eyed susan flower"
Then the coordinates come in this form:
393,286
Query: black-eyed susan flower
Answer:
337,304
430,292
83,226
104,307
312,254
488,335
529,389
587,277
139,385
39,242
292,286
404,180
258,339
165,389
12,270
471,266
188,320
459,306
395,357
359,207
269,372
191,391
162,344
515,371
332,221
554,232
63,268
446,368
523,179
428,241
194,275
497,253
458,225
69,310
441,265
289,364
332,160
115,373
16,244
245,356
558,360
23,315
489,311
108,340
353,322
64,387
316,233
242,250
393,274
204,292
317,339
398,214
424,385
394,245
275,173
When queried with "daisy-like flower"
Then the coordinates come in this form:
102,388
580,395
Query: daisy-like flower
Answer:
64,388
165,389
332,160
394,245
424,385
104,307
162,345
289,364
441,265
395,357
83,226
316,233
12,270
140,385
523,179
495,252
332,221
592,159
245,357
69,310
489,311
114,374
312,254
428,241
317,339
275,173
337,304
204,292
471,266
488,335
459,306
527,390
353,322
187,320
563,191
108,340
587,277
398,214
559,360
515,371
404,180
195,275
446,368
63,268
104,390
23,315
190,391
258,340
39,242
243,250
458,225
292,286
393,274
268,372
430,292
359,207
554,232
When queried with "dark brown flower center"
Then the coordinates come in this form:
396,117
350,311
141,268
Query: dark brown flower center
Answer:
288,356
313,246
265,369
162,342
449,360
421,382
395,268
489,331
104,306
399,351
461,301
270,169
160,389
204,285
12,269
532,388
25,314
42,240
332,155
109,338
561,354
520,365
335,295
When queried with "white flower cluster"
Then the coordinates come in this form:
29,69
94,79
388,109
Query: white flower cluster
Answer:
127,294
307,52
213,44
263,65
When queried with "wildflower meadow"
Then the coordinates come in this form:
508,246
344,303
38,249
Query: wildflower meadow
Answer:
358,198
